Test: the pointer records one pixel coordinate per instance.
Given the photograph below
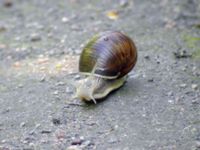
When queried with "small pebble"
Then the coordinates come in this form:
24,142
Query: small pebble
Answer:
194,86
2,28
8,3
75,27
55,93
170,93
157,61
150,80
73,147
31,145
46,131
65,19
32,132
35,37
77,142
198,144
195,102
123,3
20,86
183,85
60,134
177,99
146,57
87,143
60,84
113,140
6,110
77,52
28,139
17,64
37,125
56,121
69,90
77,77
42,79
182,54
3,141
22,124
170,101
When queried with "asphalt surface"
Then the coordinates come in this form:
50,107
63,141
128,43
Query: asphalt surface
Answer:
157,109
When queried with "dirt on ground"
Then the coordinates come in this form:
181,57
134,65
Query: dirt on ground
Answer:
158,108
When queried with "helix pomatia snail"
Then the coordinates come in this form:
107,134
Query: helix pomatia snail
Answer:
106,60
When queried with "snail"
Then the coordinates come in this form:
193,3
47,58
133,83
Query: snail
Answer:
105,60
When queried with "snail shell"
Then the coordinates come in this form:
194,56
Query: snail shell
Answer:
106,60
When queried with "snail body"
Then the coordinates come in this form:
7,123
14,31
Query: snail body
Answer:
106,60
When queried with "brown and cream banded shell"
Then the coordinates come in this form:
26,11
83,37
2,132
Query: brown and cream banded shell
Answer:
106,60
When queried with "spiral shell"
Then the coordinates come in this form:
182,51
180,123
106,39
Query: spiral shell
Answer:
106,60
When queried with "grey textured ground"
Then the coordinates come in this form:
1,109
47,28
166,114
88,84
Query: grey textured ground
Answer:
159,106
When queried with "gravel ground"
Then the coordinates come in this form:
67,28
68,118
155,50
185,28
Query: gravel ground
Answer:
158,107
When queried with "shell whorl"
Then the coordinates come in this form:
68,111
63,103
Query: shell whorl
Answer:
108,55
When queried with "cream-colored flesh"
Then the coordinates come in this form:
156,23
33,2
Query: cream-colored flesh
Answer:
108,86
93,88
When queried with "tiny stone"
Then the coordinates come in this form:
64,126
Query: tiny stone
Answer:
73,147
22,124
37,125
42,79
45,131
3,141
77,77
17,38
28,139
123,3
77,52
183,85
32,132
195,102
184,69
6,110
177,99
170,101
81,137
56,121
87,143
113,140
77,142
2,28
35,37
8,3
62,41
31,144
198,144
146,57
65,19
150,80
60,83
20,86
69,90
50,35
194,86
170,93
75,27
55,93
157,61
